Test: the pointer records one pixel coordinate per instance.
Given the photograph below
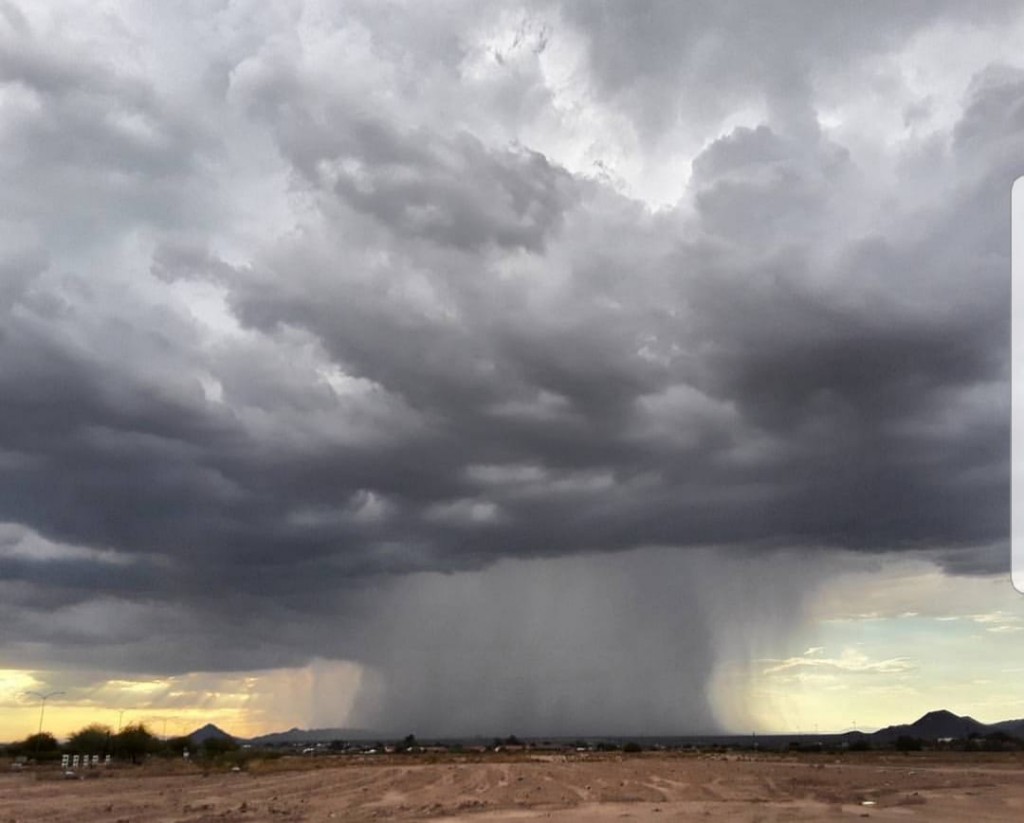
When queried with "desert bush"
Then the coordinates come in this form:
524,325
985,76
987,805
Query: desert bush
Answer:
175,746
35,745
93,739
214,747
134,742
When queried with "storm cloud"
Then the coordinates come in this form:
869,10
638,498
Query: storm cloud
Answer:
316,316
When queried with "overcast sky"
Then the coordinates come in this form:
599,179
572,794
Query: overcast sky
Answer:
476,367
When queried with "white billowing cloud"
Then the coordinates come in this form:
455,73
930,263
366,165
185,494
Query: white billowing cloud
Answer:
850,660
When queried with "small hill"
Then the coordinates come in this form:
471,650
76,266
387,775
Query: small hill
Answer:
935,725
294,736
1014,728
209,732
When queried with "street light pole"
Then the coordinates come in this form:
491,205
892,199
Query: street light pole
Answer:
42,705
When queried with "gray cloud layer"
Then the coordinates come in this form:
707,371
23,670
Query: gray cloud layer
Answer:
291,301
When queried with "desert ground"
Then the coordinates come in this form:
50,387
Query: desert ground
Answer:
930,787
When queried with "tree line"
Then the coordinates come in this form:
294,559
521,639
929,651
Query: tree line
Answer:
133,743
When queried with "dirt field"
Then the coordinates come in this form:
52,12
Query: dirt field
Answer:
925,787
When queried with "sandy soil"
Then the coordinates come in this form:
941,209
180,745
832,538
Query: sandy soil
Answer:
925,787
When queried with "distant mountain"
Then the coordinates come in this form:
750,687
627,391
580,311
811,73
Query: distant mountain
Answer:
931,726
209,732
311,736
1014,728
935,725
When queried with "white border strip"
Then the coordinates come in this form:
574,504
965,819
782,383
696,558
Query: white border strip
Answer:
1017,384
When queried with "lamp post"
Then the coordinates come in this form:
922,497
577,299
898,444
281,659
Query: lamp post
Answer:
42,705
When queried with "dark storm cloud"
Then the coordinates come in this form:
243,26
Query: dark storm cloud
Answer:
735,53
455,351
453,192
79,131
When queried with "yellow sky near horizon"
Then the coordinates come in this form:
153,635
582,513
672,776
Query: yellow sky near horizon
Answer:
917,640
244,704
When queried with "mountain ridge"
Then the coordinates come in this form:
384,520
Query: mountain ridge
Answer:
209,732
933,725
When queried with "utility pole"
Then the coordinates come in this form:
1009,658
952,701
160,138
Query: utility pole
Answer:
42,706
